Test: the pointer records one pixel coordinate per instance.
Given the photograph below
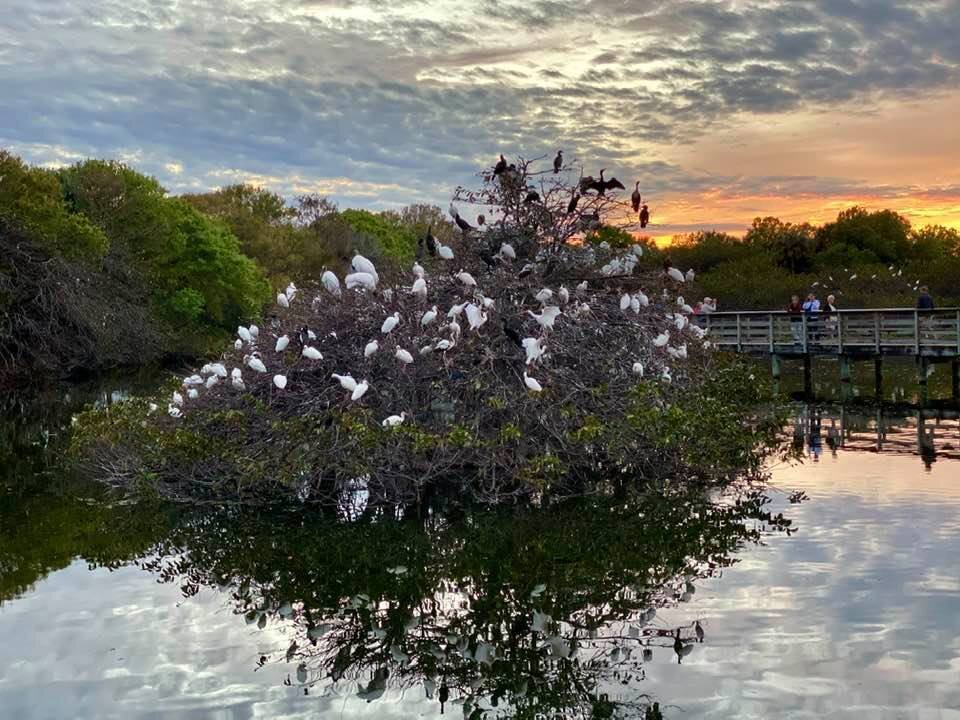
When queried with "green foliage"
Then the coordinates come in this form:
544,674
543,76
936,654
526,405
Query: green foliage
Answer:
617,239
792,246
200,279
31,198
861,236
395,242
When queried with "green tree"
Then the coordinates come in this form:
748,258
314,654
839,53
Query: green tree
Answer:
934,242
30,197
859,235
792,246
394,241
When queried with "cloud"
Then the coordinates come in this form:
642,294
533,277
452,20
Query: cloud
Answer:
413,98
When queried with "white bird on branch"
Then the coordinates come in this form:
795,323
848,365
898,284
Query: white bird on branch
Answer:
360,264
642,299
635,305
547,317
236,379
211,381
582,287
237,344
403,356
291,291
282,300
177,398
690,275
244,334
544,296
371,348
429,316
475,316
466,278
282,343
564,295
390,323
534,348
346,382
419,288
675,275
507,251
454,328
625,301
254,332
455,311
444,251
418,271
331,283
280,381
218,369
255,363
531,383
662,339
394,420
360,390
638,368
194,379
362,280
311,353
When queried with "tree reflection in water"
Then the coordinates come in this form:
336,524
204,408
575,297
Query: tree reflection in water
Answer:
507,614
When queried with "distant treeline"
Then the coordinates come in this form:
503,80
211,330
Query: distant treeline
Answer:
100,267
866,259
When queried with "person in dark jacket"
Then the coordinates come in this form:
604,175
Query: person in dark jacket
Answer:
924,302
795,309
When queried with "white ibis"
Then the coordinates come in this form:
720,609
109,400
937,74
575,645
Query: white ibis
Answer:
531,383
390,323
331,283
311,353
394,420
282,343
280,381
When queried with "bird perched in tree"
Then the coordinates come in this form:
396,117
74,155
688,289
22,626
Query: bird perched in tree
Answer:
507,251
512,333
558,162
644,216
394,420
390,323
346,382
331,283
481,219
445,251
533,348
547,317
526,270
431,242
676,275
501,165
429,316
280,381
532,197
282,343
531,383
362,280
418,271
282,300
613,184
572,205
311,353
360,390
370,348
635,197
466,278
419,288
403,356
463,224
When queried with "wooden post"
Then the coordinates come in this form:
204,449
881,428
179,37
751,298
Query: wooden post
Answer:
775,366
839,331
807,376
804,326
916,331
878,376
845,363
770,331
877,319
739,337
922,365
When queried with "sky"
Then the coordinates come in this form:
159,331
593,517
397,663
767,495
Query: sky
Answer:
724,110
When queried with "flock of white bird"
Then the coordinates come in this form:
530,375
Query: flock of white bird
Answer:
444,330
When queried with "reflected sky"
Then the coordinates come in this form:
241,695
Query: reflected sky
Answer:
855,615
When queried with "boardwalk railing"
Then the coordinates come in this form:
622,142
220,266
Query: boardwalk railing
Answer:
896,331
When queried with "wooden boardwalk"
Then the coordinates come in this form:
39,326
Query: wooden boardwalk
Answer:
929,336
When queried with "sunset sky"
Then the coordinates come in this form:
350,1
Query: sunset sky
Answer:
724,110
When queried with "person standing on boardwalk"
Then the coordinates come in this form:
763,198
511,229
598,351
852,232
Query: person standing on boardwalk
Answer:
812,309
924,301
795,309
831,316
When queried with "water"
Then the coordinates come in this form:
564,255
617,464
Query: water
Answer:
848,608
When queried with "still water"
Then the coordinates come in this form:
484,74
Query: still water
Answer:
846,606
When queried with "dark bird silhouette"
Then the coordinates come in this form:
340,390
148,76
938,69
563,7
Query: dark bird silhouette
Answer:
443,696
635,198
572,205
699,631
532,197
488,258
463,224
599,185
678,646
644,216
481,219
500,166
558,162
614,184
431,242
525,270
511,333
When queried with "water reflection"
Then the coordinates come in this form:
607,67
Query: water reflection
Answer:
929,433
500,614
